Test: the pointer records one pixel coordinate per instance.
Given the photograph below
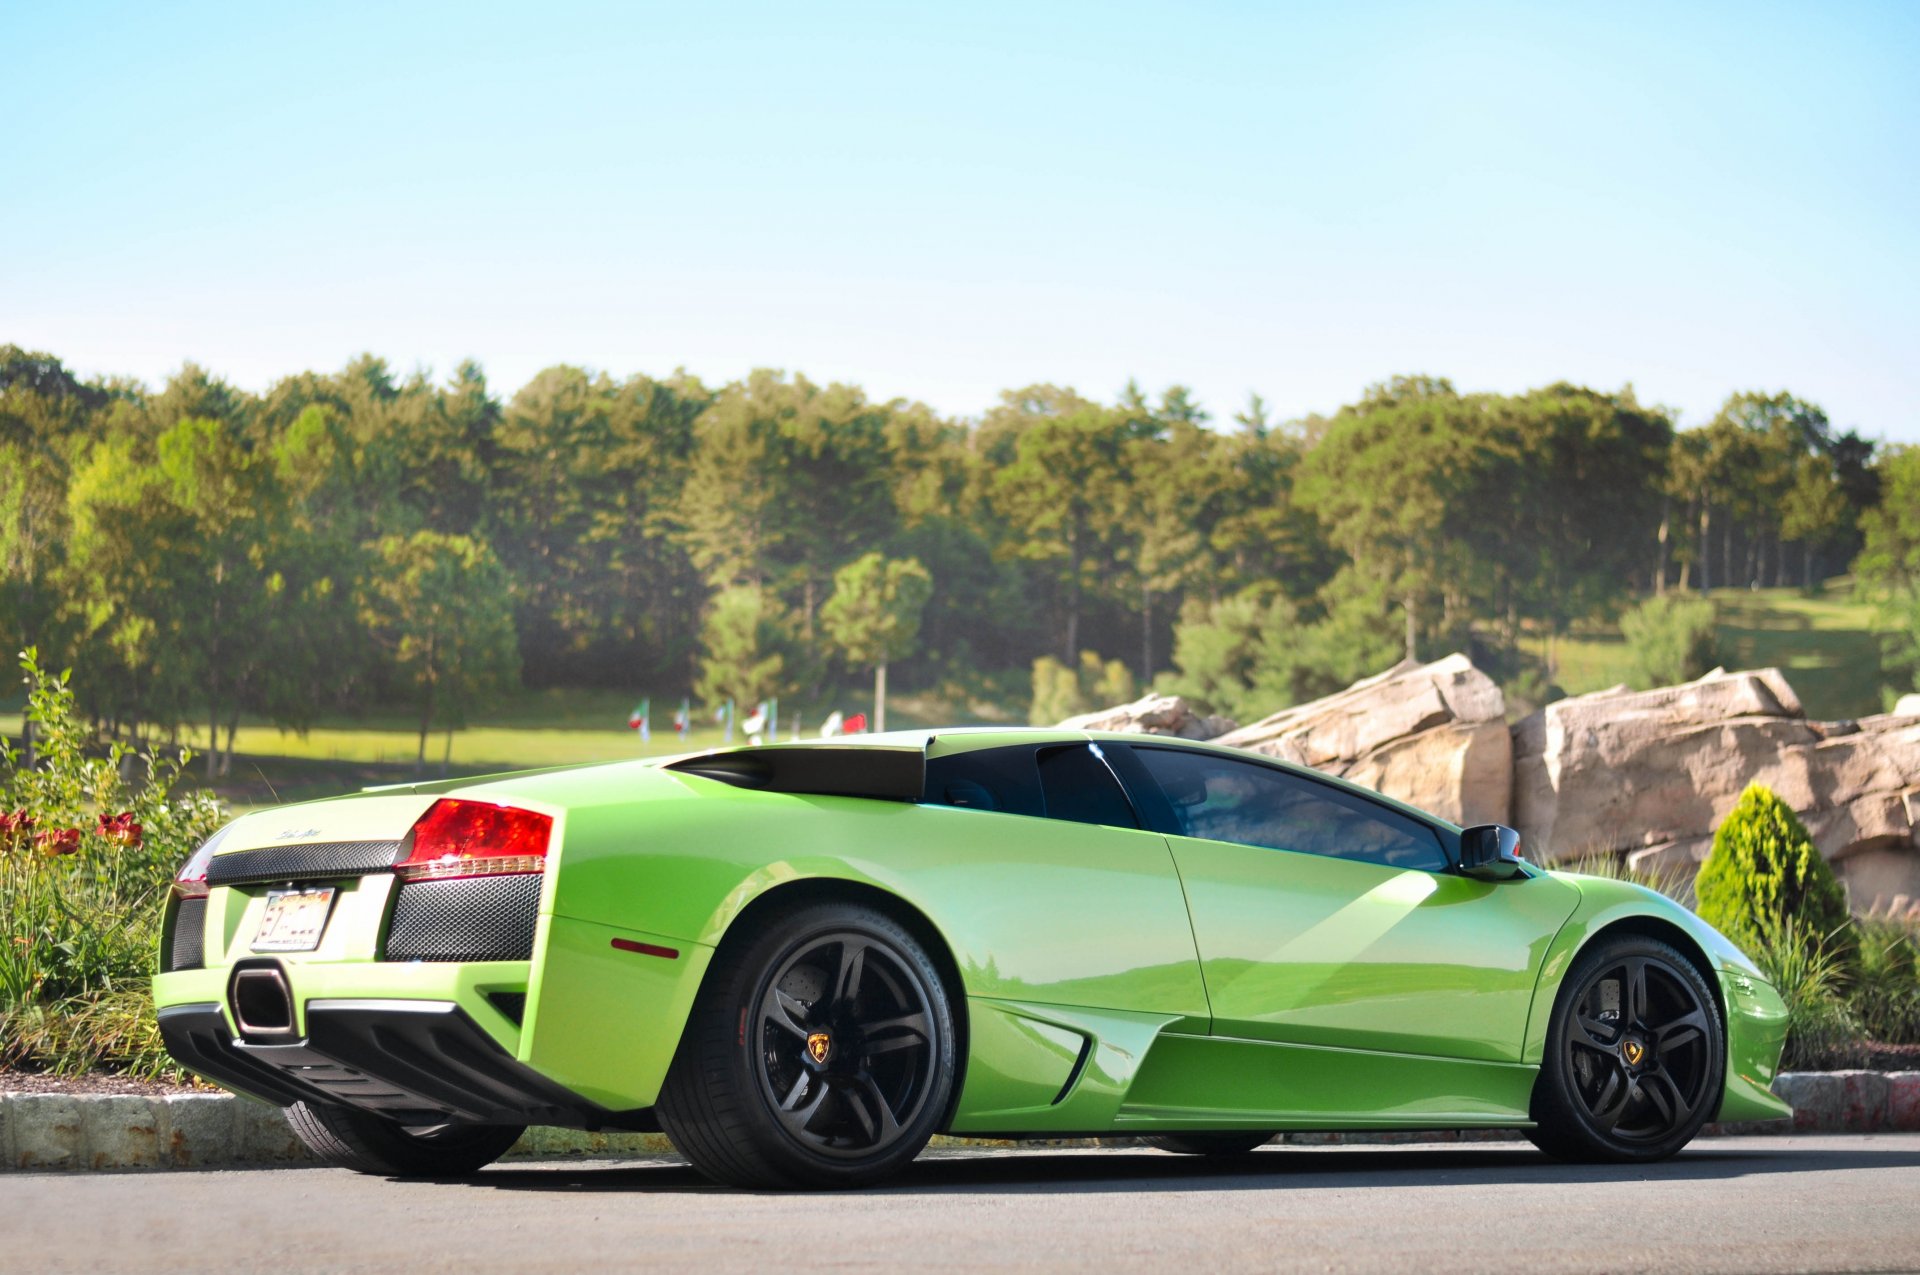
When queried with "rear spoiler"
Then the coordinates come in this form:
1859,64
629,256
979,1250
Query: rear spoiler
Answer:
824,770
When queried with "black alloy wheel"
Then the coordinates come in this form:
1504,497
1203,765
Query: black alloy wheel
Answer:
1636,1056
821,1054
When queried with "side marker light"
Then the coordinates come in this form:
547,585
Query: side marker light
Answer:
647,949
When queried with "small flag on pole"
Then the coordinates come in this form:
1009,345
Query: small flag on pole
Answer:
756,723
683,720
830,727
637,720
855,725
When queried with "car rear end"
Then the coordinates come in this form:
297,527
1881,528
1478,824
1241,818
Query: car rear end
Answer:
387,953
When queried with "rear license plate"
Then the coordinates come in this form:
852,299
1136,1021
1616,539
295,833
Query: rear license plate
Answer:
294,920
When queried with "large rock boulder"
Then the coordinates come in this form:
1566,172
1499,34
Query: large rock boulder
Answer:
1154,715
1650,774
1433,735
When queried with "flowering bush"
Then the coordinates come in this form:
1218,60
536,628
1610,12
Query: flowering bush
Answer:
86,856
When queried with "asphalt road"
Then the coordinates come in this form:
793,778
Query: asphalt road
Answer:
1745,1204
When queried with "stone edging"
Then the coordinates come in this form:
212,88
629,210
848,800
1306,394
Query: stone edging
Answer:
42,1131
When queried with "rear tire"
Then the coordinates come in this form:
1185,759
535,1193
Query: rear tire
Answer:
348,1138
1210,1143
1636,1056
819,1054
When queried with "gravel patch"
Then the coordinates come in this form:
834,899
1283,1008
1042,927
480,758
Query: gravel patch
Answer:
93,1083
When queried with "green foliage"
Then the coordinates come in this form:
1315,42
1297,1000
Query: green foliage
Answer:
1672,639
438,606
747,640
1809,971
1888,568
203,553
1763,869
1885,995
1060,692
873,616
1239,658
86,857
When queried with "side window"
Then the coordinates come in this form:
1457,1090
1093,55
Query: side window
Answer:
1227,800
1067,781
1079,788
1002,779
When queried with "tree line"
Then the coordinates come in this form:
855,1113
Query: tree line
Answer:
361,538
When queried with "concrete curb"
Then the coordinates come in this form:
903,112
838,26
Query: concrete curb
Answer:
42,1132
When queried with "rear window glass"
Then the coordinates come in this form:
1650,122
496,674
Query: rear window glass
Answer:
1001,779
1080,789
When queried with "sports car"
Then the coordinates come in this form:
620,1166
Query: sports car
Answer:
801,961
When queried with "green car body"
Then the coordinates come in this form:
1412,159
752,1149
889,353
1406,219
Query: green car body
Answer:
1104,979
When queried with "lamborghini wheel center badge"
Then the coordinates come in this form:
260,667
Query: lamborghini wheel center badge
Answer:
1634,1052
819,1046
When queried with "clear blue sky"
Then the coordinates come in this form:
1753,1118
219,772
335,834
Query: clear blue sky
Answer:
942,201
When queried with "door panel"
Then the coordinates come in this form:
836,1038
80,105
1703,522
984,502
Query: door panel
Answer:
1313,950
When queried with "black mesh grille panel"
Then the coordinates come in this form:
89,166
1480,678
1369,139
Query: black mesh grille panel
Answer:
318,860
470,919
188,949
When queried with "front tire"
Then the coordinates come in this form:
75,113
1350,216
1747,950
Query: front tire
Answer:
819,1054
1636,1056
348,1138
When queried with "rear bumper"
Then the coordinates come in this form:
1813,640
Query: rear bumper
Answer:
412,1061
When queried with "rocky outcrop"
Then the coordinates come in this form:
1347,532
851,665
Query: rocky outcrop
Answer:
1650,774
1433,735
1154,715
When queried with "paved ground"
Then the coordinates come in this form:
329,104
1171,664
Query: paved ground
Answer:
1746,1204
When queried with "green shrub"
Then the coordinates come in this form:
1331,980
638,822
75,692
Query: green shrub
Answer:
1764,868
85,862
1060,692
1804,967
1672,639
1885,994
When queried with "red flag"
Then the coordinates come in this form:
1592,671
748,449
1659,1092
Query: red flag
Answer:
854,725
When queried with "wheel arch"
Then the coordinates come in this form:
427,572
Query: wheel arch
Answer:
1617,923
799,892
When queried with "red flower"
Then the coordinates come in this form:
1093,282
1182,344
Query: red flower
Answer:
58,841
121,829
15,829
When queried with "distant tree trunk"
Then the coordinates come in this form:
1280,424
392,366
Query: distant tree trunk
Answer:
426,725
446,756
213,739
1806,569
1660,554
880,696
1726,557
1411,608
1146,635
1072,654
233,727
1704,550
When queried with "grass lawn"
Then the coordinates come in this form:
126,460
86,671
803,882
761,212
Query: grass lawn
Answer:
1824,643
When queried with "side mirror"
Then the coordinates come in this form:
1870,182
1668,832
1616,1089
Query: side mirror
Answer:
1490,852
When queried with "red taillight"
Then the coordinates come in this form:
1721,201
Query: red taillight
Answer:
191,881
476,839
